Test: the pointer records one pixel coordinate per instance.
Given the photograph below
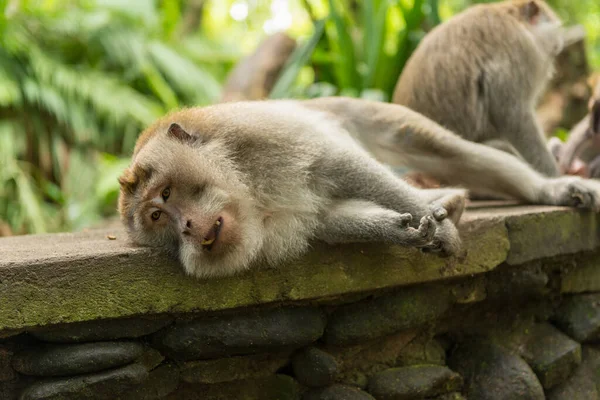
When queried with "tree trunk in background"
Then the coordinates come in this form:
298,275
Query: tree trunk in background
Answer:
192,17
5,229
255,75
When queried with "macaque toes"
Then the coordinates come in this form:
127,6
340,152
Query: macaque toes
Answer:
236,185
480,75
580,155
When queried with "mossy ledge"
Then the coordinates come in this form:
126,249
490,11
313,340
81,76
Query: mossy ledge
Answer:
518,317
61,278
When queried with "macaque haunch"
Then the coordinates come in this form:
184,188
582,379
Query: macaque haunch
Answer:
480,74
233,185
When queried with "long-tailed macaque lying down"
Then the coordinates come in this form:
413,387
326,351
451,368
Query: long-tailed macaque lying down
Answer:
231,185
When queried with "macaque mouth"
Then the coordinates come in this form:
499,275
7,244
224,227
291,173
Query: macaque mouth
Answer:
212,235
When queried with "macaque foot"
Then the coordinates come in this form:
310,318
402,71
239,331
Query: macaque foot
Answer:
446,241
446,207
416,237
436,234
446,203
438,212
572,192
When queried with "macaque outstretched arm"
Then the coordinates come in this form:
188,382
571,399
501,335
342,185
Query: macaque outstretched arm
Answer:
352,221
359,176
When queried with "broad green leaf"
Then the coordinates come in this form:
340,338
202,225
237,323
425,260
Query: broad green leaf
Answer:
346,65
374,39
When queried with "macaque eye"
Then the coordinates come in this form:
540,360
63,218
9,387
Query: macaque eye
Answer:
156,215
166,193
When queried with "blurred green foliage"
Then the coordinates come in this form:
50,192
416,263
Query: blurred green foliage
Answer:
363,46
80,79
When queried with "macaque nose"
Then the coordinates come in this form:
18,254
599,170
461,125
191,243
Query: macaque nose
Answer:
188,227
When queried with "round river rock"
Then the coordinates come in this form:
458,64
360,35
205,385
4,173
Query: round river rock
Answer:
337,392
102,385
248,333
314,367
73,359
414,382
494,373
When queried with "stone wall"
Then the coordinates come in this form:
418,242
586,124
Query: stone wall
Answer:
86,316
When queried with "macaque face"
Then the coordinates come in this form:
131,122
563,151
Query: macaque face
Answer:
544,24
190,201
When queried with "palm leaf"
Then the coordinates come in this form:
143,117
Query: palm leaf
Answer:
189,79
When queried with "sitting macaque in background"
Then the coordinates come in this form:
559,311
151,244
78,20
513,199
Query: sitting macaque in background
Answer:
233,185
580,155
480,75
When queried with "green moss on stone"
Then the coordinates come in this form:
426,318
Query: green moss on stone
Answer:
405,309
550,233
107,279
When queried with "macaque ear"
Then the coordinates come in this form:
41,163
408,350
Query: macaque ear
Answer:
595,118
531,12
177,132
128,181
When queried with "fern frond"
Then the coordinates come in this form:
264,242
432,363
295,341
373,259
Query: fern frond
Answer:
188,78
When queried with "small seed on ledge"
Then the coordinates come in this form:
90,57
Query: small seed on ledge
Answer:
111,237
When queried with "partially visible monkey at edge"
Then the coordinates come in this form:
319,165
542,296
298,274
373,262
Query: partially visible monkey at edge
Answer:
581,153
233,185
480,75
